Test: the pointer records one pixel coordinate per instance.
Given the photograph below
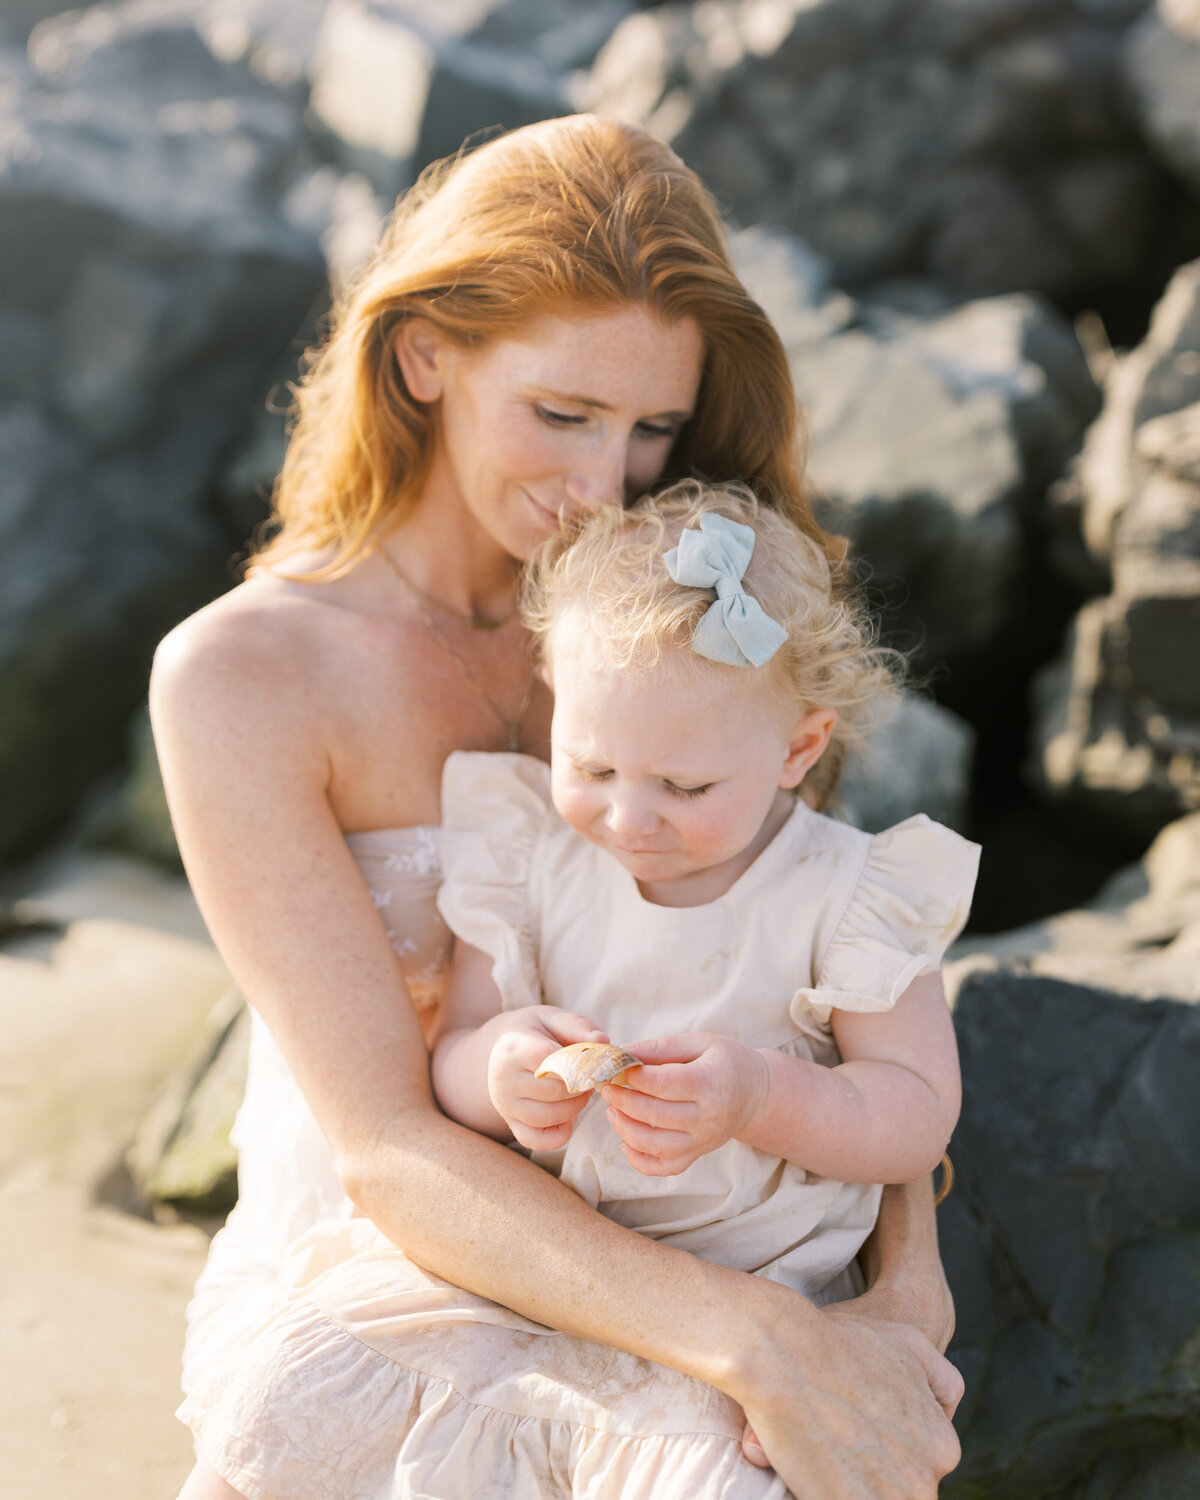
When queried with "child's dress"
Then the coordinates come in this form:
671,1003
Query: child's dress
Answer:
380,1381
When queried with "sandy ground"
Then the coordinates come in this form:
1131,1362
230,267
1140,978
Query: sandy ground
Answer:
94,1016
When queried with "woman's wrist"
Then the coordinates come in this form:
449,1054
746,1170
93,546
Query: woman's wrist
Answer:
903,1269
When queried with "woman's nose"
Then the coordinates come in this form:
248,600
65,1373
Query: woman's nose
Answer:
601,481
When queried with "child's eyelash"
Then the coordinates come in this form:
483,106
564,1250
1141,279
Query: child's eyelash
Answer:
585,775
686,791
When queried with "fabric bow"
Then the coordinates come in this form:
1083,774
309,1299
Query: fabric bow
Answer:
736,629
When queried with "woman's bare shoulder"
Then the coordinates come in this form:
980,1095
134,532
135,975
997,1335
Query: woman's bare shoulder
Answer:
256,652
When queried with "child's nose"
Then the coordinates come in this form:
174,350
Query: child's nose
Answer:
630,817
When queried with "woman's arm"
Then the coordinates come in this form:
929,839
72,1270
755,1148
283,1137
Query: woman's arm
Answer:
245,735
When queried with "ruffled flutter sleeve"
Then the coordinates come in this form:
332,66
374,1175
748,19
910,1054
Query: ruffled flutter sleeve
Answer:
495,810
910,902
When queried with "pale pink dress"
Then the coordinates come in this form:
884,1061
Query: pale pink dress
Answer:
375,1380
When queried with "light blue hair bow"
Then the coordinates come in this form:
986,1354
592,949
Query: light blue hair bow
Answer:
736,629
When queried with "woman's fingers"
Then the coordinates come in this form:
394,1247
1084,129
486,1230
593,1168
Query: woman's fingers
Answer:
753,1450
944,1380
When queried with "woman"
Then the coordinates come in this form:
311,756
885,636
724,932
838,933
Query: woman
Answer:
552,324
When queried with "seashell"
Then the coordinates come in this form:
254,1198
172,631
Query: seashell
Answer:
583,1065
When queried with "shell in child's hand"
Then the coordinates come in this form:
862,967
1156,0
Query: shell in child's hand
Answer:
583,1065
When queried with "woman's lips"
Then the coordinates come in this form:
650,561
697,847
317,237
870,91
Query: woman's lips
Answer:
550,516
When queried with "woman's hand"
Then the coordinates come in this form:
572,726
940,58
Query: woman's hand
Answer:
850,1407
539,1111
692,1094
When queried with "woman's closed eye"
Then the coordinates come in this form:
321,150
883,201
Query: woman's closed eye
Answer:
554,418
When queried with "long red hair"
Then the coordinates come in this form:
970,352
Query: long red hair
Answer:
579,213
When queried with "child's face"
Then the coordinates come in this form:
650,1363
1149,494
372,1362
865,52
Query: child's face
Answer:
678,771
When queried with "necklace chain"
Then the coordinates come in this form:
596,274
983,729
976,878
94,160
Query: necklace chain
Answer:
511,727
475,621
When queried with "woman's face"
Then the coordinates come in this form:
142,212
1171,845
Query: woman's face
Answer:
571,413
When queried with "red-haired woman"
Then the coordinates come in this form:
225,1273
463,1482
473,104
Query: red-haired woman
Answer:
551,324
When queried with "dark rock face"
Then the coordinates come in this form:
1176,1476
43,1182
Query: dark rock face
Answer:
158,246
934,430
1119,715
1072,1242
987,145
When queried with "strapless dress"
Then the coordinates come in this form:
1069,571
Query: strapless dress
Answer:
286,1176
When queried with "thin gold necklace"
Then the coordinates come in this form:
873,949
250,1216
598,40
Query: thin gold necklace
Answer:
512,727
476,622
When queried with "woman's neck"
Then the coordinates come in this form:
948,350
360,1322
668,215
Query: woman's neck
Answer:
447,555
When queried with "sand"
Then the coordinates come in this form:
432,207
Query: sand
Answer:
95,1016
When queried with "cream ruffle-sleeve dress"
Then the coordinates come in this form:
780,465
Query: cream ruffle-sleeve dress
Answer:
376,1380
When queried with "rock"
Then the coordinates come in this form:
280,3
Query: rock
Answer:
181,1153
160,225
90,1036
135,818
398,84
1162,65
985,145
1070,1240
1118,716
934,431
917,761
1139,936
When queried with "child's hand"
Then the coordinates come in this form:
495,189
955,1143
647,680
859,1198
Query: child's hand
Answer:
692,1094
539,1111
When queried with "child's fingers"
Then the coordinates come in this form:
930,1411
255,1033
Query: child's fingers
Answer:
553,1138
652,1166
646,1139
666,1081
565,1026
683,1048
540,1114
664,1114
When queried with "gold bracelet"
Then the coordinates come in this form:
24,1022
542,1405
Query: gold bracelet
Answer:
943,1191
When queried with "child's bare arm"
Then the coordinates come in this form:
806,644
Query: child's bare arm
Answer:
884,1114
466,1033
484,1059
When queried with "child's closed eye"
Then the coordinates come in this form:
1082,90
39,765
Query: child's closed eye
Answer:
687,791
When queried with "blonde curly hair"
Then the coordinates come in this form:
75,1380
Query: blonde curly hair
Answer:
610,569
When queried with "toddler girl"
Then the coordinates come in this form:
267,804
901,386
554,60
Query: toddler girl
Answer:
661,879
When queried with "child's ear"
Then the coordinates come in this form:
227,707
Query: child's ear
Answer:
807,744
421,352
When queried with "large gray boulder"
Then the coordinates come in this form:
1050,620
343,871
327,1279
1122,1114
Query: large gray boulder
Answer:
988,145
1119,713
1072,1245
400,83
160,223
1162,64
934,431
918,760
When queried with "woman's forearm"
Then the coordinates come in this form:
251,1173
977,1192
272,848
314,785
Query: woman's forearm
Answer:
485,1218
903,1268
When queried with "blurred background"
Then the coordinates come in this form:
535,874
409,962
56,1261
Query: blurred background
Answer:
976,224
